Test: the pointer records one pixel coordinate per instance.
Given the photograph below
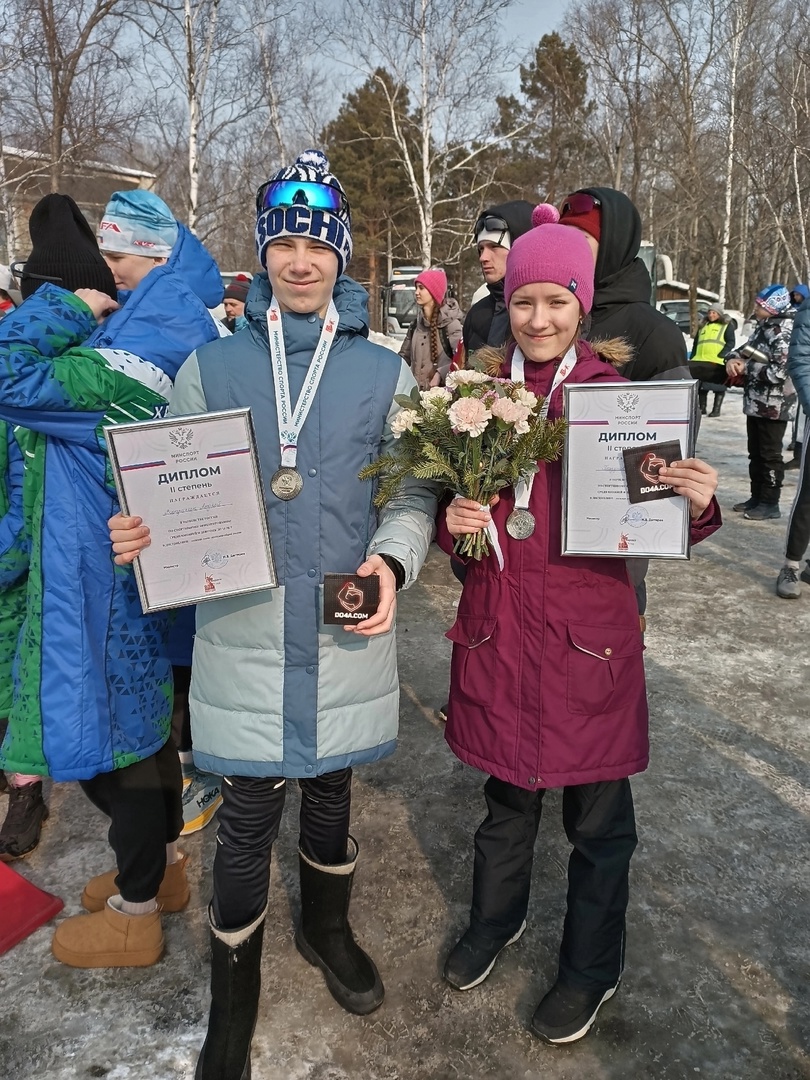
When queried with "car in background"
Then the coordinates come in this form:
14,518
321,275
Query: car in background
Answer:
678,311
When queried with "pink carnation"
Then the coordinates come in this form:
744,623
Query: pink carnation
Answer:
469,414
511,412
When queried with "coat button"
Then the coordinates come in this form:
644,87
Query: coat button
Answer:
608,652
312,573
472,640
532,779
313,472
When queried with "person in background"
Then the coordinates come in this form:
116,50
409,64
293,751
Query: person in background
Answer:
93,687
769,400
707,363
9,295
495,230
433,336
547,679
234,303
276,694
798,294
27,810
622,305
798,530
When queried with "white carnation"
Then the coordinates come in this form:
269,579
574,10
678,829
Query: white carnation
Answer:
435,396
404,420
466,378
526,397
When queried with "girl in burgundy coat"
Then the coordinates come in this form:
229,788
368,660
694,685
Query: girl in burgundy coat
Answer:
547,676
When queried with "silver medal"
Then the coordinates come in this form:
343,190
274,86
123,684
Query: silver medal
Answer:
286,483
520,524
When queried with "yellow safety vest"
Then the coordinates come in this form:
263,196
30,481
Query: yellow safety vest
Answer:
711,341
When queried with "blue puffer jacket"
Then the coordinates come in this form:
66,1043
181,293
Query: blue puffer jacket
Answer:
798,361
274,690
93,687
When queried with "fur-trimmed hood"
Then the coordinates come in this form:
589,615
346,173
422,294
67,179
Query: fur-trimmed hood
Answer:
615,351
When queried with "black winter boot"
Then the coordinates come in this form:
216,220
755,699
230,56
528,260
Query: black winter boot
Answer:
325,939
21,829
703,399
235,983
718,401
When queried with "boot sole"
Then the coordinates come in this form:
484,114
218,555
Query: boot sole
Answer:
581,1032
142,958
202,819
7,857
480,979
359,1004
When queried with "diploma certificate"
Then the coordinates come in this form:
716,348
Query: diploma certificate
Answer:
195,481
604,419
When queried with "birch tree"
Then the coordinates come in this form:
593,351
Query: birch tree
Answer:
198,44
71,56
445,56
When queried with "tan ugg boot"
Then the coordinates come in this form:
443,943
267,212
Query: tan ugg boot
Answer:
109,938
173,894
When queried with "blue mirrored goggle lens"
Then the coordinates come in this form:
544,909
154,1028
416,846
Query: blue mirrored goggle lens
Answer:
298,193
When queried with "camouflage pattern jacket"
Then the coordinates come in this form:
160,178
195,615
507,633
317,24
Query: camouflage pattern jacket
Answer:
768,392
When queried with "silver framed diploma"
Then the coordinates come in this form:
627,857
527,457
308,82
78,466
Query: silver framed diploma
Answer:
196,482
618,435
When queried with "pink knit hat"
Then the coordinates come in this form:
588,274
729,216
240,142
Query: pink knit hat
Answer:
551,252
435,281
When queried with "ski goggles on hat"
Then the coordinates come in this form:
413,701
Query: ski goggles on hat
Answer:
490,223
300,193
579,203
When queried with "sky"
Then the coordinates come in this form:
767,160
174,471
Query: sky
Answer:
530,19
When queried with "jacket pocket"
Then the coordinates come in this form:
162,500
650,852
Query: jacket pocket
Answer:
604,668
472,668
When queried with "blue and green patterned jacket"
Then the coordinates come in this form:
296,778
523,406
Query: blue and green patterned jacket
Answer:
93,685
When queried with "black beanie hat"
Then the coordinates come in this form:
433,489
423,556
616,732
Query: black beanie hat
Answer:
63,247
238,288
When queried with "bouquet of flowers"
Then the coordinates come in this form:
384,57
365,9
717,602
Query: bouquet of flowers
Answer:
474,436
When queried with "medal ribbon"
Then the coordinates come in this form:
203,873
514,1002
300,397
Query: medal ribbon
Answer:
523,488
291,420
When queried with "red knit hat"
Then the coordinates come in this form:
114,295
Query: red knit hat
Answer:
583,212
551,252
435,281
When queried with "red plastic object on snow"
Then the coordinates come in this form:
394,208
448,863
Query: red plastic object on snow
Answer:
23,907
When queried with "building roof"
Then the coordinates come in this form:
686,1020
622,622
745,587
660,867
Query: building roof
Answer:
96,166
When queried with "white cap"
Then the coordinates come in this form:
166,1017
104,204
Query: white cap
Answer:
502,238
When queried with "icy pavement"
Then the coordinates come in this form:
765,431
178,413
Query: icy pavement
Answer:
718,952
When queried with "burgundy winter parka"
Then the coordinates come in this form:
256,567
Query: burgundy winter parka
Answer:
547,676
